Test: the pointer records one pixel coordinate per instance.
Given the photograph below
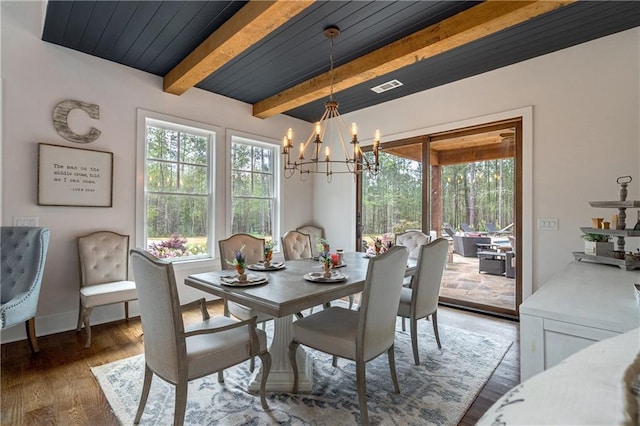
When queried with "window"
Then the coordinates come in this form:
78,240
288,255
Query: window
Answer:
254,187
178,190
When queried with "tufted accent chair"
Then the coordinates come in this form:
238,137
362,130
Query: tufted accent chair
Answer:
412,240
23,252
104,269
315,233
296,245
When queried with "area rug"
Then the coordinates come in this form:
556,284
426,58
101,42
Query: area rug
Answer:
437,392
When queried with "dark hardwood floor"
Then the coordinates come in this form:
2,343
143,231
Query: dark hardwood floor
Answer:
56,386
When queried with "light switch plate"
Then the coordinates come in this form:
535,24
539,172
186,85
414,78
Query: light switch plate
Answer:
25,220
548,224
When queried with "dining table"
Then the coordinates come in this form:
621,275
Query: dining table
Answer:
283,294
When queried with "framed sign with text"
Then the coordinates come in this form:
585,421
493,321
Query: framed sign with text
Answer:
74,177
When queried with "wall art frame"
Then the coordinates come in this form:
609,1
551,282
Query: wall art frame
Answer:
69,176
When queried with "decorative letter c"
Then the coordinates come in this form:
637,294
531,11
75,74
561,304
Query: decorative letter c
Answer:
60,113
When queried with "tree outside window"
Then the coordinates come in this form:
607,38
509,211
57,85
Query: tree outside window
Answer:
177,193
253,188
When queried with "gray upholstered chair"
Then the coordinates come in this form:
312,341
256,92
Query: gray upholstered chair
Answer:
421,300
178,354
315,233
254,253
24,252
412,240
104,275
296,245
358,335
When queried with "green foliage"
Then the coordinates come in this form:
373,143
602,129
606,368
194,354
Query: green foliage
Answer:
595,237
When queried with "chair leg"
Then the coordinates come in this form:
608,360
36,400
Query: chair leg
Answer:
392,366
414,340
86,318
31,335
293,348
226,309
265,357
362,391
435,328
126,310
79,316
146,385
403,326
252,364
334,362
350,301
181,402
221,376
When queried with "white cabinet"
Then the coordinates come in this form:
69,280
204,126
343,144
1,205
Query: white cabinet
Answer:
584,303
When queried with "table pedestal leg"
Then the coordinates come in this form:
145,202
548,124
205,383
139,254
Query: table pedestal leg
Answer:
281,375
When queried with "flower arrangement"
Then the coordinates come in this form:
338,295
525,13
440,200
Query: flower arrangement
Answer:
268,251
324,254
239,260
381,245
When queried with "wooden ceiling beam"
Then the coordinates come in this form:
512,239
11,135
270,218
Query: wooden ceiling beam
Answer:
472,24
248,26
473,154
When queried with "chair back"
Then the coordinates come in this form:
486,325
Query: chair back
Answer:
315,233
103,257
253,249
159,305
296,245
466,228
377,322
425,287
24,252
412,240
512,243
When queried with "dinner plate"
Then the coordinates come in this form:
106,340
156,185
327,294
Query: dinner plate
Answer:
318,277
234,281
260,266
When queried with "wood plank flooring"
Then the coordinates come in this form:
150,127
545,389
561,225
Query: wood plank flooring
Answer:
56,387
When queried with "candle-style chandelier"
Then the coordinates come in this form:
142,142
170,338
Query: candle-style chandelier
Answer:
330,129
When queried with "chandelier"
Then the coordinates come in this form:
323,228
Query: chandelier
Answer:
330,131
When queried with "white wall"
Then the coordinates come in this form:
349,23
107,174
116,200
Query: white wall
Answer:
36,76
585,134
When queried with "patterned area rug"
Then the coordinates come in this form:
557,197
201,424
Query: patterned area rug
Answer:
437,392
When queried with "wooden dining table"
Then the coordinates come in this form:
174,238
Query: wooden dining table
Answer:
286,293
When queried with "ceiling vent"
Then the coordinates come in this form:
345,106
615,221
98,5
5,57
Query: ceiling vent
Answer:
386,86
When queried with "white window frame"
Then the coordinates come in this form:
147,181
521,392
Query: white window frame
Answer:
145,118
235,136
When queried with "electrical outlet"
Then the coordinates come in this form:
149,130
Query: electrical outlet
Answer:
547,224
25,220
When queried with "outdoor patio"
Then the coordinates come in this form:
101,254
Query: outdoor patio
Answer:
461,280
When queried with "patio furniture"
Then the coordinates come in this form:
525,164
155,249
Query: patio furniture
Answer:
491,262
466,246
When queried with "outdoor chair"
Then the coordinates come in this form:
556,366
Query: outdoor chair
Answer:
361,335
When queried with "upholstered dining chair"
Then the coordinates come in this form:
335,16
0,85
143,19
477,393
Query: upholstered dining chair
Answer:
315,233
178,353
412,240
24,253
358,335
296,245
104,275
254,252
421,300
